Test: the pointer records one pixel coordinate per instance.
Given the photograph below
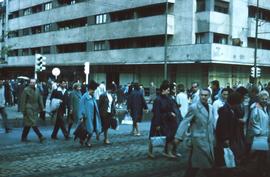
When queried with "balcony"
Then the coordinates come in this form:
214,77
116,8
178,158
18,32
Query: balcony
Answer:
263,29
213,21
263,3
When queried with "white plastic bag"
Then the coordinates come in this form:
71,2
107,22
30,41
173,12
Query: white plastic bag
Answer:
127,119
229,158
55,104
158,141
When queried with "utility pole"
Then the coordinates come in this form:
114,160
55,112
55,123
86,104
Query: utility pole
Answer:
166,43
256,43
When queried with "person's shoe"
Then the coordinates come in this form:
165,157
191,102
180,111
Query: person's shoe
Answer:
137,134
169,155
177,154
107,142
88,145
150,155
8,130
42,139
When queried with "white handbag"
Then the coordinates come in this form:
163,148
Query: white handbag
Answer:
55,104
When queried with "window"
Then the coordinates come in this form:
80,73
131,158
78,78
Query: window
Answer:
12,34
201,5
262,43
13,52
263,14
101,18
37,8
35,50
69,48
36,30
14,15
201,38
99,45
48,6
46,50
26,31
27,11
25,52
220,38
222,6
47,27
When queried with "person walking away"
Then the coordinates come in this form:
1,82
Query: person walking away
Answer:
136,105
89,113
62,94
2,108
31,105
107,110
74,99
200,121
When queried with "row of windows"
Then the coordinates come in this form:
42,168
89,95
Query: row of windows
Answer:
219,6
31,10
263,14
203,38
97,19
96,46
42,7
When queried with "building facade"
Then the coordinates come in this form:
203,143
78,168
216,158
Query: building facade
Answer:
127,40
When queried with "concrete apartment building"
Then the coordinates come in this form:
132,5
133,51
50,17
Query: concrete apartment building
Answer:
126,40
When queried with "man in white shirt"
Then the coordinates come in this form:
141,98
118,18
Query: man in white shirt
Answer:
182,99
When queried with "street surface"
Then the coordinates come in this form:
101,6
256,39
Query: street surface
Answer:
127,156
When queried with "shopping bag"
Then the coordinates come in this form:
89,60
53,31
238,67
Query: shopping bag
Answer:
229,158
158,140
260,143
55,104
127,119
80,132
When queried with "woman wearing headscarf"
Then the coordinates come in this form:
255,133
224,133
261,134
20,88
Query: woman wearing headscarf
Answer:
259,124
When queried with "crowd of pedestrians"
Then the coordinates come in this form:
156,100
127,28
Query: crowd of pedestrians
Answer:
211,119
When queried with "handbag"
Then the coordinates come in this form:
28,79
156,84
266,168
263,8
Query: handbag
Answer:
260,143
114,123
229,158
158,141
80,132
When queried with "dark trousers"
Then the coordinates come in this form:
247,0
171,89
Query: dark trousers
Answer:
26,131
59,123
4,117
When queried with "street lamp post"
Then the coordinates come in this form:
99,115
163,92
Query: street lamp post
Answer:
166,43
256,43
